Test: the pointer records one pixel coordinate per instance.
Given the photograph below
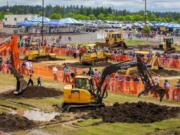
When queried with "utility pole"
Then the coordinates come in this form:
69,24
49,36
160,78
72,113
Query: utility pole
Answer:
42,29
145,12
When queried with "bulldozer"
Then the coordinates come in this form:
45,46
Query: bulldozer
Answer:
94,57
113,39
168,45
12,45
39,55
83,94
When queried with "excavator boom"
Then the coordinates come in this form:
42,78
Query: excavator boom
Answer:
15,61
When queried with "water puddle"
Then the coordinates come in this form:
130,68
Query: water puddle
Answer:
40,116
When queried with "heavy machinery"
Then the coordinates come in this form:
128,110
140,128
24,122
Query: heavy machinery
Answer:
168,45
113,39
12,45
94,57
39,55
83,94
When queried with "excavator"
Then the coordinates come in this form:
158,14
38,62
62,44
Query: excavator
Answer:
82,93
12,45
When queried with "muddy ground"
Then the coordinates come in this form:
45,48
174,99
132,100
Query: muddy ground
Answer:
34,92
140,112
9,122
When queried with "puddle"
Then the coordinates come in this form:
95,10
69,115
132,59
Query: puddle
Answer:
40,116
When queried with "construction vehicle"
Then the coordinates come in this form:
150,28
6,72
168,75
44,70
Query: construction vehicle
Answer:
168,45
113,39
39,55
12,45
93,57
152,63
83,94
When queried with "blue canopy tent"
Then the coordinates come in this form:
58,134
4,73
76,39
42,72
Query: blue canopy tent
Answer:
26,23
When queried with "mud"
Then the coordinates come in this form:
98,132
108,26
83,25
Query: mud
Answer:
9,122
34,92
140,112
166,73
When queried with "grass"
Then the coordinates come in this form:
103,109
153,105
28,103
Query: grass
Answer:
86,127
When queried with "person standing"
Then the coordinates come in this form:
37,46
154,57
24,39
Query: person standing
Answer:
30,82
167,88
66,74
39,83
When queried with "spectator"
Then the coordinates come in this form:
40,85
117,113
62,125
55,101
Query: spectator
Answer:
91,72
167,88
55,71
66,74
30,82
39,83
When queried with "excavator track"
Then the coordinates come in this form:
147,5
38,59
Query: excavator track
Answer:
79,107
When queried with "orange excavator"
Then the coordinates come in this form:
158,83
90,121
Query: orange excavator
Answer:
12,45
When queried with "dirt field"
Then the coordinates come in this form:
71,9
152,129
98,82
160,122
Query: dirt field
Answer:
140,112
9,122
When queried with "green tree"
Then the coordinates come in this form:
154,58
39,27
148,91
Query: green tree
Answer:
146,30
55,16
92,17
101,16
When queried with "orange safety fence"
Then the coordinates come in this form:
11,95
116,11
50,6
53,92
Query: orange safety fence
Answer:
119,58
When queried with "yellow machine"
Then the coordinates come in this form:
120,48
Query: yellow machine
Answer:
168,45
94,57
113,39
79,93
84,94
36,55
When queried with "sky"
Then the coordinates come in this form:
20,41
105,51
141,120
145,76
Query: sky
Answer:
131,5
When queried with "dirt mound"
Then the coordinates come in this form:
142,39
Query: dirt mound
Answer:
9,122
140,112
34,92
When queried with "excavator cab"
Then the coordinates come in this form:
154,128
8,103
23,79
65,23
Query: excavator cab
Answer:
80,94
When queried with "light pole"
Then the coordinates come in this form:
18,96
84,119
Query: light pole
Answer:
145,12
42,28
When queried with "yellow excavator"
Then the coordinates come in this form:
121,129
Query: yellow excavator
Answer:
94,57
83,94
113,39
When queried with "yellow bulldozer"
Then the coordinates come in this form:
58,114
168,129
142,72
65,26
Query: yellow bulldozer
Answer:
113,39
94,57
39,55
168,45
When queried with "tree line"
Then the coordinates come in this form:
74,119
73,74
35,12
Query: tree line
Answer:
89,13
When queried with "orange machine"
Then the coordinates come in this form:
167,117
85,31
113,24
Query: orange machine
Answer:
12,45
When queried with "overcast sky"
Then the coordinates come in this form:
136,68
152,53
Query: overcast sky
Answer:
132,5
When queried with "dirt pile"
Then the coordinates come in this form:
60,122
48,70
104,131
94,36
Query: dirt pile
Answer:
140,112
9,122
34,92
